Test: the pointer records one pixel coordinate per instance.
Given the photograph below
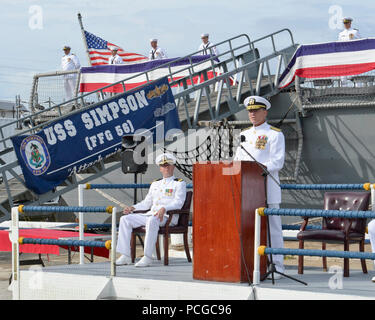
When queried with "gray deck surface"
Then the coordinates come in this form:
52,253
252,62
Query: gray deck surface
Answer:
358,284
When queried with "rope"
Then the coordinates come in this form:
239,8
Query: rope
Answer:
77,243
298,227
23,209
357,186
317,253
316,213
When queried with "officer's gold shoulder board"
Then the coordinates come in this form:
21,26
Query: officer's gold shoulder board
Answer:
179,180
157,180
276,129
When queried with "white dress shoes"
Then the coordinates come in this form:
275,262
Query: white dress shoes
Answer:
144,262
123,260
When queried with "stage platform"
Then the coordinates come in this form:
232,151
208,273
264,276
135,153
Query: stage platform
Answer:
175,282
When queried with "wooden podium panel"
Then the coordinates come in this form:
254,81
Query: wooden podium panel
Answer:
223,217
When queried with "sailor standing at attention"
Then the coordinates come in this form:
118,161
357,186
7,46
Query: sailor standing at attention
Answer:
156,52
69,62
115,58
266,144
348,33
164,195
206,46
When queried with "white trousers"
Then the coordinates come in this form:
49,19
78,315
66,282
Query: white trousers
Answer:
371,233
70,88
129,222
276,238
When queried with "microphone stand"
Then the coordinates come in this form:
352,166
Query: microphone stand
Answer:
272,267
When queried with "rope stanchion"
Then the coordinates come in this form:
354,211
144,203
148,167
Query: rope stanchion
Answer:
262,250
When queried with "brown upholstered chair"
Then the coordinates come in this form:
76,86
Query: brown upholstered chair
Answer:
181,228
338,230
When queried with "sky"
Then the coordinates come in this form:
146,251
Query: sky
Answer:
33,33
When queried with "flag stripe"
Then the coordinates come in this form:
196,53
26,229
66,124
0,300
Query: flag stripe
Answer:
340,58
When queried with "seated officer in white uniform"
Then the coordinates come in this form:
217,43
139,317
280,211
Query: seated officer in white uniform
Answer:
205,46
115,58
156,52
267,145
348,33
371,233
165,194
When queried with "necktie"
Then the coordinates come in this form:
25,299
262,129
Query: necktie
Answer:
153,55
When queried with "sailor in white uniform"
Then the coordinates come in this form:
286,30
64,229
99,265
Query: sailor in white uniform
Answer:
206,46
165,194
156,52
348,33
115,58
69,62
371,233
267,145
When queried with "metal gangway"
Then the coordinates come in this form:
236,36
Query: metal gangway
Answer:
241,68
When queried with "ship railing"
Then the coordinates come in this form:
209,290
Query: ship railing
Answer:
229,61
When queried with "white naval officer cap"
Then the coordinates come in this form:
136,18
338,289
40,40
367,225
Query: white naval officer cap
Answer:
256,102
66,48
347,19
113,48
203,35
165,158
153,39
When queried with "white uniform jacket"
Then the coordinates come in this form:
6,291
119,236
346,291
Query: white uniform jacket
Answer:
267,145
156,54
206,50
169,193
116,59
349,34
70,62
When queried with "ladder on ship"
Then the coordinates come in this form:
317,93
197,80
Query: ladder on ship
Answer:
242,68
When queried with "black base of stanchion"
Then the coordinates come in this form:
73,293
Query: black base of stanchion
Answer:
272,270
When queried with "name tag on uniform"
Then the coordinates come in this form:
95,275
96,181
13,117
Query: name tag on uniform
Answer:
168,192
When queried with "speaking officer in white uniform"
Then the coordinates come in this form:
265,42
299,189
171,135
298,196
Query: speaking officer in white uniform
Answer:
69,62
267,145
205,46
348,33
156,52
115,58
165,194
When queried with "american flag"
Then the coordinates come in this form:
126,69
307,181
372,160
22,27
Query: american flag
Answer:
99,51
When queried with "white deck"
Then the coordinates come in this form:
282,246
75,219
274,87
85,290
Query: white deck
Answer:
92,281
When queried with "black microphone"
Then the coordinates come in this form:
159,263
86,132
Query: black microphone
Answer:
243,138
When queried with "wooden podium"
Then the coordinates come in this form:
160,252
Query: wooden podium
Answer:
223,220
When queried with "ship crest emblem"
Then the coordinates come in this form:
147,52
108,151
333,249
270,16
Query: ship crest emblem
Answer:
261,142
157,92
35,154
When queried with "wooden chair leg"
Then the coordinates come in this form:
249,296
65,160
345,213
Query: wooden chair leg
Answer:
186,245
363,261
133,244
324,247
346,260
157,246
166,236
300,258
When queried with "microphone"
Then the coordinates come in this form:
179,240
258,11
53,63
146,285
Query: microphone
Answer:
243,138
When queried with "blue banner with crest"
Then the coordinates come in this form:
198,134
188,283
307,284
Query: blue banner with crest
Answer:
78,141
